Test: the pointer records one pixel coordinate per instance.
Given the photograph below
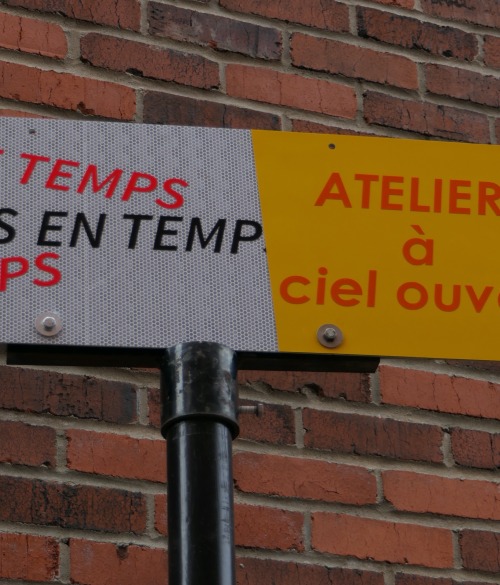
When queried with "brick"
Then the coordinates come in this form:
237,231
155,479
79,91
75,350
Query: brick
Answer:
161,514
339,58
491,49
405,579
480,550
105,563
275,425
34,501
118,13
439,392
154,407
416,35
162,108
28,557
484,12
216,32
42,391
32,36
8,113
268,528
117,455
414,492
475,448
317,128
252,571
294,91
66,91
399,3
497,131
303,478
367,435
379,540
477,365
24,444
148,61
463,85
426,118
348,386
334,17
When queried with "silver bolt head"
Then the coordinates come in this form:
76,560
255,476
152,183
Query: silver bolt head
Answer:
330,334
49,323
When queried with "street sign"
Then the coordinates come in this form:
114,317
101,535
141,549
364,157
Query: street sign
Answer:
147,236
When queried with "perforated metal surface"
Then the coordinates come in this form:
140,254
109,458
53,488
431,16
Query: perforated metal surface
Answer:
119,294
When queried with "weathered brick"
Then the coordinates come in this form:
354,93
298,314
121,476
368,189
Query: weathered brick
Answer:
268,528
480,550
339,58
149,61
414,492
118,13
317,128
286,89
400,3
426,118
319,480
28,557
483,12
497,131
367,435
105,563
66,91
117,455
32,36
161,514
380,540
276,424
405,579
463,85
216,32
333,17
34,501
414,34
348,386
154,407
491,49
43,391
476,365
7,113
439,392
162,108
27,444
251,571
475,448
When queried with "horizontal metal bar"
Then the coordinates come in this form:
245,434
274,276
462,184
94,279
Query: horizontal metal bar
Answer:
63,355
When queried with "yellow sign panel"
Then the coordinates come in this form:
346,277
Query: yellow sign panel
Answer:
395,242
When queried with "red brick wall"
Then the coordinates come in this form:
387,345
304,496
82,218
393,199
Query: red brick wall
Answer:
347,479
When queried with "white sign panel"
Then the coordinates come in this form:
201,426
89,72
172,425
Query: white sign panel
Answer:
131,235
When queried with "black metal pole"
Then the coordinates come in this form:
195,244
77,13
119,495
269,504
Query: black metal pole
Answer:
199,421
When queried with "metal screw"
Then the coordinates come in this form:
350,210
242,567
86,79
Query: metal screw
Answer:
257,410
48,323
330,334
